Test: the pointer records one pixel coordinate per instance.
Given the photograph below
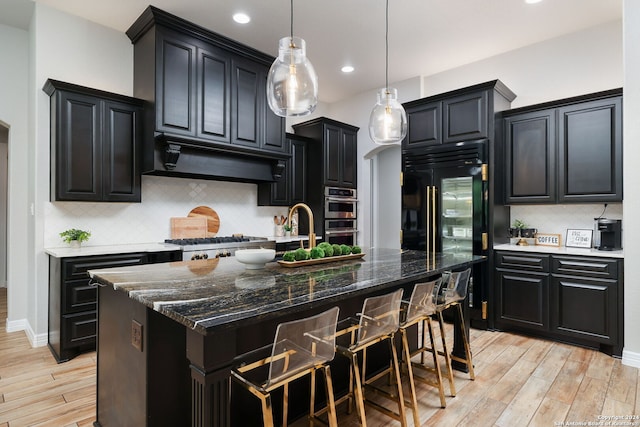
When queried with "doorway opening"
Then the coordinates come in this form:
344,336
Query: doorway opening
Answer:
4,201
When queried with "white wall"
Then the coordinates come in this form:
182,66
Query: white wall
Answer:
14,48
631,110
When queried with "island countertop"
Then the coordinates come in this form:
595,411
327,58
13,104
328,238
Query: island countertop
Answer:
219,293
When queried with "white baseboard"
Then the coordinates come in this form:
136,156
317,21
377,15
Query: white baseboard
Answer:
630,358
39,340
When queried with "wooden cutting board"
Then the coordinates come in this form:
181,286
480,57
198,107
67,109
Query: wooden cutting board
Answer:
188,228
213,220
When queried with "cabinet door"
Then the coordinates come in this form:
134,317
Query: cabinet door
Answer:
333,146
423,126
465,117
348,156
121,144
78,154
246,101
298,171
584,308
274,126
214,102
590,151
523,299
176,86
530,158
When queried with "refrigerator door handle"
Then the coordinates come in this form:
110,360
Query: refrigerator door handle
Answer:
431,219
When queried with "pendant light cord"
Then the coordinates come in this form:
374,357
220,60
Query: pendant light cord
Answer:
386,41
292,20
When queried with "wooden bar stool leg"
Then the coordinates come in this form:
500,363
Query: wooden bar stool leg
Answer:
267,413
436,361
331,403
445,353
285,404
412,384
396,367
312,400
359,398
467,347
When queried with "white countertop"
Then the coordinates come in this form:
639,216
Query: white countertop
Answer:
86,250
562,250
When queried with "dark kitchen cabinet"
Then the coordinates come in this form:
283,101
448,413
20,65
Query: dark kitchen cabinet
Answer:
460,115
565,151
531,157
578,299
95,144
334,154
208,114
72,299
292,187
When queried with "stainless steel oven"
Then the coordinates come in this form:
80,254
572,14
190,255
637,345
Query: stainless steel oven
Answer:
340,203
341,231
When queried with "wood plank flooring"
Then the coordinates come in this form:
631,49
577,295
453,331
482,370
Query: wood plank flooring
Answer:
520,381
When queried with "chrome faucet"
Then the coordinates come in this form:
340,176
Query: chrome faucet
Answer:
312,235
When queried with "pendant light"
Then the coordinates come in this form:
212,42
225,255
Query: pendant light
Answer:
292,84
388,120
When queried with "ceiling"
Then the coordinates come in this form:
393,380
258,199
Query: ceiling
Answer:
425,36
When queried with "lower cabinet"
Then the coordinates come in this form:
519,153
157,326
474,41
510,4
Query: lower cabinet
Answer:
578,299
73,301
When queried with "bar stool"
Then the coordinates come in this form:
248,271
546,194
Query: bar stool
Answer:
378,322
418,311
300,347
453,292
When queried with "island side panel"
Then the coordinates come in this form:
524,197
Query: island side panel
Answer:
145,385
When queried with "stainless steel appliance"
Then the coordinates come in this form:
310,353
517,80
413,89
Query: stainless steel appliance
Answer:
340,215
610,234
340,203
341,231
218,247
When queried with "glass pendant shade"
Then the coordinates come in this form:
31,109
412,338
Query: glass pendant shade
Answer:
388,120
292,84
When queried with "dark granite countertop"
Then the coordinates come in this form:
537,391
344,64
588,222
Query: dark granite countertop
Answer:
209,294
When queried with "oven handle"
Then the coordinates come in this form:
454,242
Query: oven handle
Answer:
345,231
340,199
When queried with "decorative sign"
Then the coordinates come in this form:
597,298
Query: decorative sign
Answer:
579,238
547,239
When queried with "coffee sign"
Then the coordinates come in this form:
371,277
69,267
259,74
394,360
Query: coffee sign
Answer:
547,239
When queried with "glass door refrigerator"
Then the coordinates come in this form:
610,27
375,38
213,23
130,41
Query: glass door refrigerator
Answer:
445,210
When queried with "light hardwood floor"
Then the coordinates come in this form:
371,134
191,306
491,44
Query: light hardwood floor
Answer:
520,381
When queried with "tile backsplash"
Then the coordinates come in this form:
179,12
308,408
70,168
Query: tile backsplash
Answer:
556,219
162,198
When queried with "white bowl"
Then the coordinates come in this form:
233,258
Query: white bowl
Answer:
255,258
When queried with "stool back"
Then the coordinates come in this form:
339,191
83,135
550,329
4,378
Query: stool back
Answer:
456,287
380,316
300,344
423,300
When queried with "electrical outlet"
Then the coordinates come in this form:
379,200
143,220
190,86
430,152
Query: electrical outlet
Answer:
136,335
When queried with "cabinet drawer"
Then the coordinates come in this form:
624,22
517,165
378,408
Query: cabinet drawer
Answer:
75,268
600,268
77,296
523,261
80,328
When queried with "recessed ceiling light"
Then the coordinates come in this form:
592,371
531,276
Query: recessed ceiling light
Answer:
241,18
347,69
532,1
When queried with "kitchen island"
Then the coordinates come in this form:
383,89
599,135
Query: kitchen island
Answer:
168,333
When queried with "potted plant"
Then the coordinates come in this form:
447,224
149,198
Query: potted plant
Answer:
516,228
287,230
75,237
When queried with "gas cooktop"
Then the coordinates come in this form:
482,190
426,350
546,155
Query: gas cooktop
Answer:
212,240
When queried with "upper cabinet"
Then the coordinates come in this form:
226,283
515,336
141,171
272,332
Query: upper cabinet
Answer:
292,187
460,115
334,154
208,114
95,144
565,151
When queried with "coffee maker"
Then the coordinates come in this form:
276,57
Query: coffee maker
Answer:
610,231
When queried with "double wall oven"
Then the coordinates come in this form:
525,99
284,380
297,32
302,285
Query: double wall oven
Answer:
340,215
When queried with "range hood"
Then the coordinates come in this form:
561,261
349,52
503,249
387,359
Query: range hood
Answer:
190,158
